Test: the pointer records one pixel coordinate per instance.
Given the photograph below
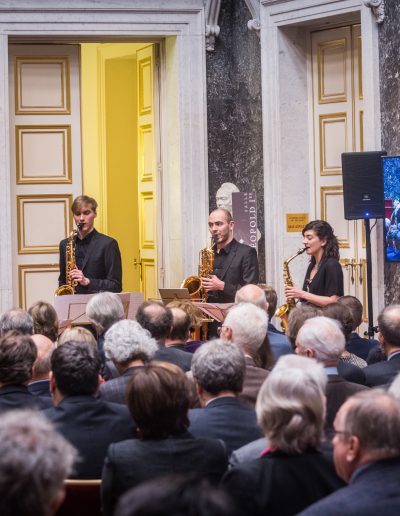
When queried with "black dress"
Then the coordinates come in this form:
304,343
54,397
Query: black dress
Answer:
328,280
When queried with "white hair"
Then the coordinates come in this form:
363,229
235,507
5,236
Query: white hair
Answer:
126,341
291,404
324,336
104,309
249,325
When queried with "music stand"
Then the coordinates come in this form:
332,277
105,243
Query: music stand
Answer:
172,294
71,310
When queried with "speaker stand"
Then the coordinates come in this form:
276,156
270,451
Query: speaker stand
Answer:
371,328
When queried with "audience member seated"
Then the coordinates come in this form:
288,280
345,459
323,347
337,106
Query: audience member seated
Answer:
297,318
77,334
291,473
367,457
356,344
384,372
279,342
158,399
45,320
103,310
88,423
180,329
197,323
246,326
17,356
253,294
157,319
176,495
16,319
129,346
218,369
342,314
40,383
322,338
34,462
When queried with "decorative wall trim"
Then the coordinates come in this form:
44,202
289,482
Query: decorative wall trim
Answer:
254,8
212,28
378,8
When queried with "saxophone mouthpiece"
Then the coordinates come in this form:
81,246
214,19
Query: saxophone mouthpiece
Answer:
301,250
80,225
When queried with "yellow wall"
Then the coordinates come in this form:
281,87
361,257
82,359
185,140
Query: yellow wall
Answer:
109,143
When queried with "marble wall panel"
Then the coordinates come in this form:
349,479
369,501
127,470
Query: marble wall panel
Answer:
234,110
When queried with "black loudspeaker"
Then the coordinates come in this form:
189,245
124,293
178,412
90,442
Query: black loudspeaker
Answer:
363,185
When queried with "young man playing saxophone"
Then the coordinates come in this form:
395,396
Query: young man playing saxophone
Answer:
97,256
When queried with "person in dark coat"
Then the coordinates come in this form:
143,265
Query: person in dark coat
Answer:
88,423
322,338
218,369
17,356
367,457
291,473
158,399
384,372
157,320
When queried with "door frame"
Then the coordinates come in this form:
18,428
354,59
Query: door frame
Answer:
291,188
180,29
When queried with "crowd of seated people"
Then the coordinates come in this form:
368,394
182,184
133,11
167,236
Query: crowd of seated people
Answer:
232,426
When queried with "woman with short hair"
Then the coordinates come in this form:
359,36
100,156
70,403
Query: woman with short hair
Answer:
158,400
291,473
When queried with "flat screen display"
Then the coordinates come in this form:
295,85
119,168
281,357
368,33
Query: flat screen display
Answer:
391,185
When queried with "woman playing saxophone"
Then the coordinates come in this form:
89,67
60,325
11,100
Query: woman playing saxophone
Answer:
323,283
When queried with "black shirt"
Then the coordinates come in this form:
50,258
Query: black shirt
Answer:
81,247
328,280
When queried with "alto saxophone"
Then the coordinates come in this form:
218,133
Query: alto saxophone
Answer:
283,311
70,264
206,267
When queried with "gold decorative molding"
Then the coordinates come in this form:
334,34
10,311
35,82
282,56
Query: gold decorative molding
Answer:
63,107
359,62
26,269
339,96
65,176
324,120
145,69
332,191
147,214
23,201
146,140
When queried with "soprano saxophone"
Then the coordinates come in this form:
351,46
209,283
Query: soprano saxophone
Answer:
283,311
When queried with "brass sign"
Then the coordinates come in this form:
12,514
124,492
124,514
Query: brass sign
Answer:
295,222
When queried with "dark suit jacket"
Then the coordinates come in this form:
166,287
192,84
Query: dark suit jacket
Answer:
40,388
102,265
114,390
91,425
253,379
337,391
240,267
131,462
351,373
18,397
382,373
227,419
182,359
279,343
373,489
359,346
279,484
